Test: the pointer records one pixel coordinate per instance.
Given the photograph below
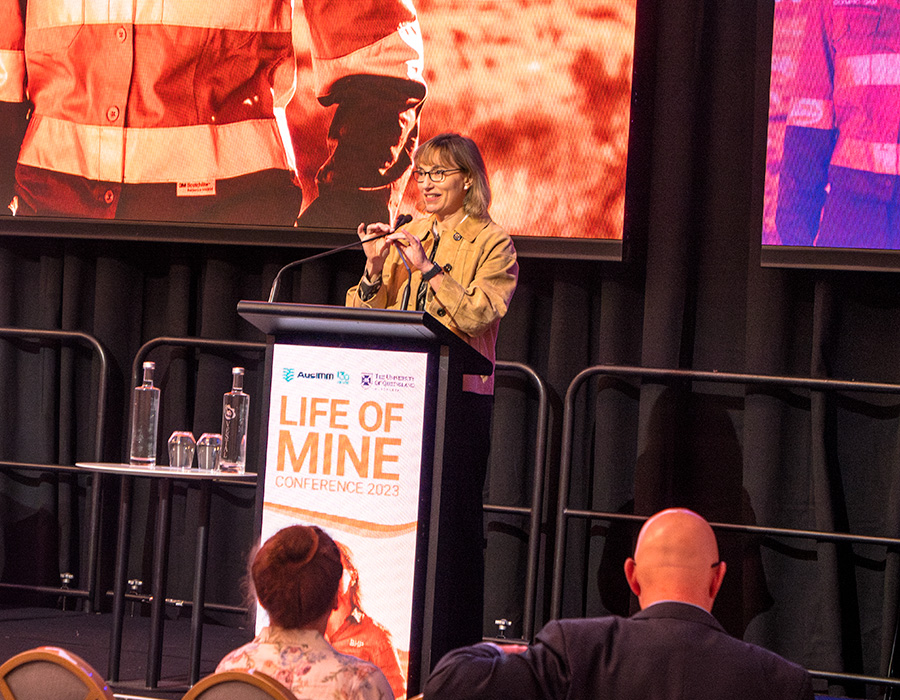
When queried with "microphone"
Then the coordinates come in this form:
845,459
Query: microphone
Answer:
402,220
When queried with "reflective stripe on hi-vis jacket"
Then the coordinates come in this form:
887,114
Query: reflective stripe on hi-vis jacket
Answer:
868,70
12,76
170,154
149,91
814,114
243,15
881,158
12,52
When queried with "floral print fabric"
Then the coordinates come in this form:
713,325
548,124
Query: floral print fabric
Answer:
307,664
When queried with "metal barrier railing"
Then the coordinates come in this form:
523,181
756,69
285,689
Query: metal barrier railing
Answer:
564,513
199,343
537,496
89,593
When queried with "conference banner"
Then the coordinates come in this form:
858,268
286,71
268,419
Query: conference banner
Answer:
344,452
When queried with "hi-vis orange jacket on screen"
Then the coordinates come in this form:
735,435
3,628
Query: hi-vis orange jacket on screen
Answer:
839,181
137,92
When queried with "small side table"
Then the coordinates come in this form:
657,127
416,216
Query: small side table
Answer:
165,475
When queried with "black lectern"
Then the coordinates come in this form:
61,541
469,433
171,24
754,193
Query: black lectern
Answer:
354,434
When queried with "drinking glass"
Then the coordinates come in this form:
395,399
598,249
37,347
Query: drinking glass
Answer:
209,448
181,449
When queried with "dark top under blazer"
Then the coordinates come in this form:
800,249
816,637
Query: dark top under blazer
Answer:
670,651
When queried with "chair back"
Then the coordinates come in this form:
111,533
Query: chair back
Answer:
51,673
239,685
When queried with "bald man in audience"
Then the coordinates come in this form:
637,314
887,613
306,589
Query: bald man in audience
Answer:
674,649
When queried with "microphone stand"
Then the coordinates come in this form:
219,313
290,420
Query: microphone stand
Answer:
402,220
404,302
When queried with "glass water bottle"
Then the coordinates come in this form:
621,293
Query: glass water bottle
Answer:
235,409
144,420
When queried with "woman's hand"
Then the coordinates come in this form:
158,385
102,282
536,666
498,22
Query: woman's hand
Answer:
411,248
376,251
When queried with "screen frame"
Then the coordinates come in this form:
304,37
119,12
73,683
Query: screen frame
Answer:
599,249
605,249
783,256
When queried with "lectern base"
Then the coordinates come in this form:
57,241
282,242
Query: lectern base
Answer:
459,584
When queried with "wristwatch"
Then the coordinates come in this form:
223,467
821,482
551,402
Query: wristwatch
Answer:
433,272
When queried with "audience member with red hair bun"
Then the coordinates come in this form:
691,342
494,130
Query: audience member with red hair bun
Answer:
295,574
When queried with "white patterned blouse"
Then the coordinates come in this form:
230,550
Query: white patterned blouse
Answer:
307,664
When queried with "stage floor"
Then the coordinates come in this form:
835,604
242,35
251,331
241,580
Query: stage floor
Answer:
87,635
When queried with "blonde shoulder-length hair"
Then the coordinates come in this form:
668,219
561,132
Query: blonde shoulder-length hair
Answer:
457,151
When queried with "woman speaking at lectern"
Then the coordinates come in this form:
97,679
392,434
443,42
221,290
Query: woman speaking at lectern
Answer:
463,272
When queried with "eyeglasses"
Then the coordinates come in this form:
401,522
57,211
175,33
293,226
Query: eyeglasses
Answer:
433,175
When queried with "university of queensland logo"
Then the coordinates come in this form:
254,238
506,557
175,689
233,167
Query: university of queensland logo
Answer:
387,382
288,374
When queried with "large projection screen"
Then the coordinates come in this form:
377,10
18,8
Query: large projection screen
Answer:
252,121
832,155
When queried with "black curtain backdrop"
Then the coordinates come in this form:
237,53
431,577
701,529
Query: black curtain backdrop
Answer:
692,295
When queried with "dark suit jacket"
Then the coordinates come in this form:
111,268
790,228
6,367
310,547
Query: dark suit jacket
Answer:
670,651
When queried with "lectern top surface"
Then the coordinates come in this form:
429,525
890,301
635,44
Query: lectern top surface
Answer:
276,319
279,317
